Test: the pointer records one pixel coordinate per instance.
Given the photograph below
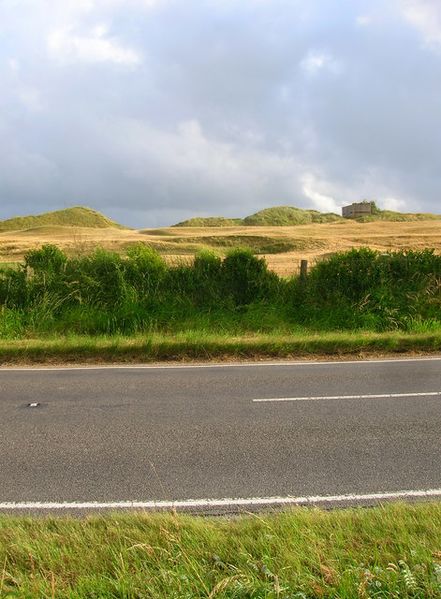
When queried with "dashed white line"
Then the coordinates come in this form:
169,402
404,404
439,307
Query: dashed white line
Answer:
372,396
202,504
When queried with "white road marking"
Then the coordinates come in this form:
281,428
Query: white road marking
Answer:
214,365
324,397
221,503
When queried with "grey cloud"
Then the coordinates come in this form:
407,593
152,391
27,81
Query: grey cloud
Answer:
210,107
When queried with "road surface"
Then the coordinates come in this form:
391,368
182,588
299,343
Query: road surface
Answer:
246,436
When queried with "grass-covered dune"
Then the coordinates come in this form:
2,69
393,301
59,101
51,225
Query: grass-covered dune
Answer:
276,216
382,552
78,216
291,216
391,216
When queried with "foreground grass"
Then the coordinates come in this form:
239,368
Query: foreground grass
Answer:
390,551
200,345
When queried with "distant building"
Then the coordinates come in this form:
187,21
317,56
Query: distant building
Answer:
358,209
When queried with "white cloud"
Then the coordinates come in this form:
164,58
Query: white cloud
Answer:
394,204
14,65
30,98
320,200
21,89
363,20
314,62
425,16
72,38
67,47
72,9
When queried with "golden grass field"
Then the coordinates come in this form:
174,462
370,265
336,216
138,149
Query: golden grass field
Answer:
283,247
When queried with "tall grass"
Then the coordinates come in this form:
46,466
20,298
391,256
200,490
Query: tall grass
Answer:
367,289
106,293
383,552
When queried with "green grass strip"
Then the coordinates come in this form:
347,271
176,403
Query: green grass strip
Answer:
199,345
389,551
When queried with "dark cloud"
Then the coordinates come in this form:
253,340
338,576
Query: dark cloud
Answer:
154,111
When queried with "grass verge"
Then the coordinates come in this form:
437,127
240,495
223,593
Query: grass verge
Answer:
387,551
200,345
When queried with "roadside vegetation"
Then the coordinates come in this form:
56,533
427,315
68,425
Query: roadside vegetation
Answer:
353,301
382,552
202,345
106,293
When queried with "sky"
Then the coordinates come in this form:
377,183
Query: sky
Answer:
154,111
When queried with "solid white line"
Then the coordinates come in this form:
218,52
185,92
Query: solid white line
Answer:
215,365
376,396
220,503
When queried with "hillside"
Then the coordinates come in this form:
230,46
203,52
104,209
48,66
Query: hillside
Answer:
269,217
78,216
399,217
285,216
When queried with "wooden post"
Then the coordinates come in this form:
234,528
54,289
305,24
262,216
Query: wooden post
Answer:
303,270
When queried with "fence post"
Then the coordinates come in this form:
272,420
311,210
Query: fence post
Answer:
303,270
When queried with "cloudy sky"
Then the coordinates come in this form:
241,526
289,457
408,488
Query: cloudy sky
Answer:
157,110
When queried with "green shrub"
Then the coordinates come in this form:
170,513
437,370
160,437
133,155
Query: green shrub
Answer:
366,288
105,293
45,281
145,270
13,288
246,278
49,260
97,279
207,279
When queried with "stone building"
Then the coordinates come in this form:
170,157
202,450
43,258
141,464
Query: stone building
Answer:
358,209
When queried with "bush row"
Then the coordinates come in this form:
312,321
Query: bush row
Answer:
105,293
107,280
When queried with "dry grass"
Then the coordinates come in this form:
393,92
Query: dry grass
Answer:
310,241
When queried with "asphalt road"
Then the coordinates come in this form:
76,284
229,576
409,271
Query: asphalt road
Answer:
193,433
